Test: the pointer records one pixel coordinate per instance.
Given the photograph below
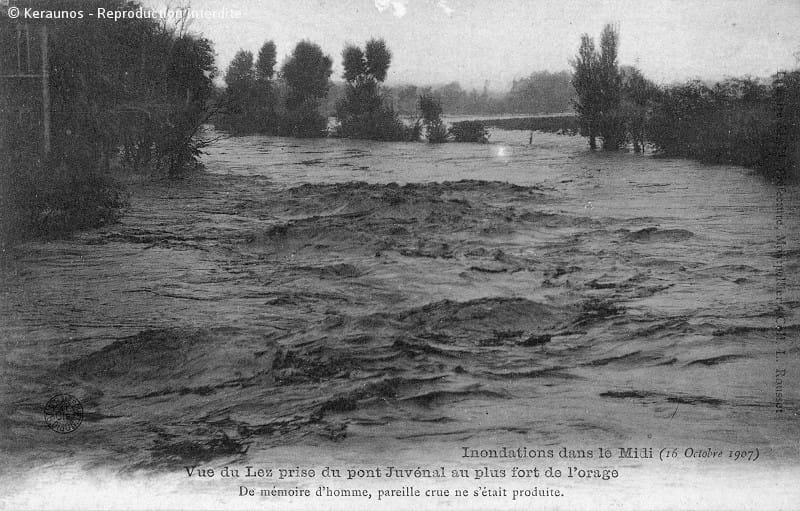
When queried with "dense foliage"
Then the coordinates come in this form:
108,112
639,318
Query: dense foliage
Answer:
435,130
587,103
738,121
38,199
248,102
639,96
306,74
133,84
362,111
541,93
469,131
132,90
254,102
598,83
741,121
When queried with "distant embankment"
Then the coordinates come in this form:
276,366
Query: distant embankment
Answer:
556,123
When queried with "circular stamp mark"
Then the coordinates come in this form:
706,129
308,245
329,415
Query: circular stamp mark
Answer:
63,413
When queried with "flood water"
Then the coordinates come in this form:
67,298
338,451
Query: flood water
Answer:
352,299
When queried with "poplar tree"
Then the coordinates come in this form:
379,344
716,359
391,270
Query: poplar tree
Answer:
598,84
584,79
612,122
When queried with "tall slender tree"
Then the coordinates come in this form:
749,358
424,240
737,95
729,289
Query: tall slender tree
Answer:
267,58
638,97
585,81
238,96
598,84
612,122
240,75
250,98
264,94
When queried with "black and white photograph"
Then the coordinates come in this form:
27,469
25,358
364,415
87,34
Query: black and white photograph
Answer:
399,254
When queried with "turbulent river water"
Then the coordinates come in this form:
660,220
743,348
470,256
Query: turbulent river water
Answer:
341,300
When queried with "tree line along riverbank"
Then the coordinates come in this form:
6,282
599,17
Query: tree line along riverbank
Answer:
133,95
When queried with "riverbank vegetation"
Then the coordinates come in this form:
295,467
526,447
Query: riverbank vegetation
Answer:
364,108
363,111
740,121
255,100
469,131
130,94
435,130
133,95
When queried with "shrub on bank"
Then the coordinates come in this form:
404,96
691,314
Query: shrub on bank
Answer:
363,115
469,131
53,200
431,109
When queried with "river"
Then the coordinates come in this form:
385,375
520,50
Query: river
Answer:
349,300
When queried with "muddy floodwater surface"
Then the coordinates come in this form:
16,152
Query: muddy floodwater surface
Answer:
360,298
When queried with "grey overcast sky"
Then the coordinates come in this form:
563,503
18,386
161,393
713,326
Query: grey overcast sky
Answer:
470,41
